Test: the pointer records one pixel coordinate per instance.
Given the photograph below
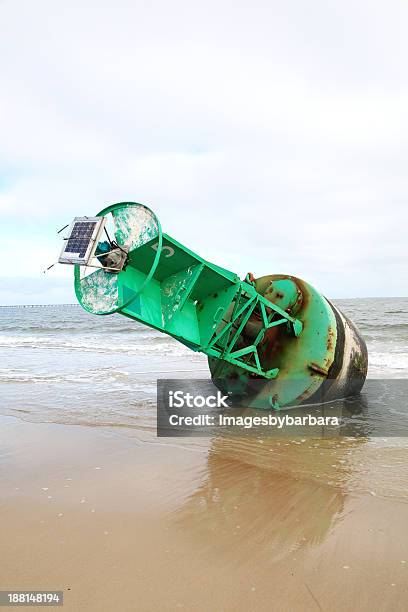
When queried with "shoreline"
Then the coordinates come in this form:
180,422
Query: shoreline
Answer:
120,523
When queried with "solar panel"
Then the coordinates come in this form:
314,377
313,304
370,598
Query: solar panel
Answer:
83,236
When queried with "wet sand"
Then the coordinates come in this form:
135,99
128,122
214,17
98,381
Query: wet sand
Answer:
123,523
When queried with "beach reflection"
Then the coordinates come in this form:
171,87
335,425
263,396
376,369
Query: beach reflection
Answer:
269,498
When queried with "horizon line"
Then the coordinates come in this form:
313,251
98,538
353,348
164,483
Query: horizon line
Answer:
367,297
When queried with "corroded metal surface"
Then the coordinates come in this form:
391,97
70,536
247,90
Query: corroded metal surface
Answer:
329,358
349,369
134,226
98,292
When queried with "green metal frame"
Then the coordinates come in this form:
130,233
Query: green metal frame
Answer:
245,303
170,288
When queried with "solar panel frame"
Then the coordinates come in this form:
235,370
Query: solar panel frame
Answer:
82,239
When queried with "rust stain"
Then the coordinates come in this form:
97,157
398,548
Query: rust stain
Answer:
316,368
305,395
330,339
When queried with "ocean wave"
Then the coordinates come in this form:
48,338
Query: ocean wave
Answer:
61,328
395,312
383,325
107,375
389,361
154,345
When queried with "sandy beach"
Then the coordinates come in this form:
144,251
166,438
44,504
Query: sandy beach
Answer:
94,504
120,522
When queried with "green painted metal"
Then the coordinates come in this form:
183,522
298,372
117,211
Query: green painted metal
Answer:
275,339
168,287
302,362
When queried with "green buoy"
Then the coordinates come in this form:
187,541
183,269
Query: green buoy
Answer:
274,339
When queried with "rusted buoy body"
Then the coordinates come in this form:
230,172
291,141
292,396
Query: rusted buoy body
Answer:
328,360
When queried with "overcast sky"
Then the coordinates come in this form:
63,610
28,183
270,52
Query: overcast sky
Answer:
267,136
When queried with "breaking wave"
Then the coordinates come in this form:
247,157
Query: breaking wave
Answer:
152,345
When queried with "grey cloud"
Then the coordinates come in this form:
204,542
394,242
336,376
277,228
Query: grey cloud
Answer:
269,137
